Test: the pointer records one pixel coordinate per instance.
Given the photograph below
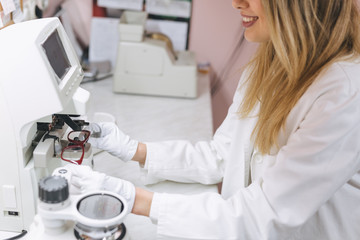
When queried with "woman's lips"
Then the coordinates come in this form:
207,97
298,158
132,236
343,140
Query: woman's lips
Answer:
248,21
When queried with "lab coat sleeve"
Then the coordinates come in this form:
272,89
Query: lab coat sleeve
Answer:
182,161
318,158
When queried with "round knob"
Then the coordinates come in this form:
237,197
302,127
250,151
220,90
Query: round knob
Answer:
53,189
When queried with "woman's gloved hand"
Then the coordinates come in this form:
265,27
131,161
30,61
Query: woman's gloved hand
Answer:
84,179
107,136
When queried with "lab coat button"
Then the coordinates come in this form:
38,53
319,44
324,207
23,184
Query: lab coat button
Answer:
258,159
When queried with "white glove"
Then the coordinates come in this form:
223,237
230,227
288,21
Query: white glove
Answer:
107,136
84,179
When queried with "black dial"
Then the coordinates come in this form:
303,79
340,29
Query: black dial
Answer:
53,189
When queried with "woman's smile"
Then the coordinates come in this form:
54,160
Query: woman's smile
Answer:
248,21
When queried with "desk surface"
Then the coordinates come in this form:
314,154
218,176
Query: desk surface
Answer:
151,118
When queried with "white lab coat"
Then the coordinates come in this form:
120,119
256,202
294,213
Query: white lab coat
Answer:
308,189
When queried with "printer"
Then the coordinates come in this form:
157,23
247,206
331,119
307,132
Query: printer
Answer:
147,63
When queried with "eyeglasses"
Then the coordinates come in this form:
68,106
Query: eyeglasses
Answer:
74,152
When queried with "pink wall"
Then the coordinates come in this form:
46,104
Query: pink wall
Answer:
215,30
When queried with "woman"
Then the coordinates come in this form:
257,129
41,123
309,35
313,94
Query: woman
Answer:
288,152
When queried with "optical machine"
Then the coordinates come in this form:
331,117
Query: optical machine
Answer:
40,101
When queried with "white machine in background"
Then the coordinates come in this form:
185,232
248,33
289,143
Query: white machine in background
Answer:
149,65
39,87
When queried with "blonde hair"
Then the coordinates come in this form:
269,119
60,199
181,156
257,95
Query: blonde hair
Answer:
306,36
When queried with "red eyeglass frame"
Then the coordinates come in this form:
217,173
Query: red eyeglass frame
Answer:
76,144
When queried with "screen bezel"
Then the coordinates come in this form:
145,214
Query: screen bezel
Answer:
75,70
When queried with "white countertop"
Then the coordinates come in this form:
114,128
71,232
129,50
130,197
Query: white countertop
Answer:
150,118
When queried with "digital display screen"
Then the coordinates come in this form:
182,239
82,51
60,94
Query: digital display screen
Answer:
56,55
